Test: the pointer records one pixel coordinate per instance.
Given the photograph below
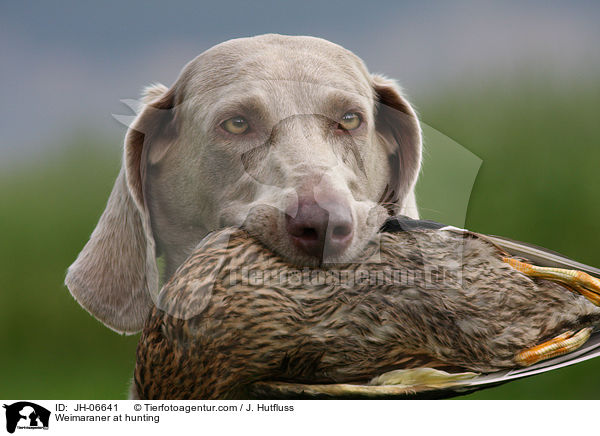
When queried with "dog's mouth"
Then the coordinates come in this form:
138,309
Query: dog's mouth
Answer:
307,246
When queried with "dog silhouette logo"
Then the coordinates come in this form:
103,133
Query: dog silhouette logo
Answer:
26,415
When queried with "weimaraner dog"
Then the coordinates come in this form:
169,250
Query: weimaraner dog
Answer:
288,136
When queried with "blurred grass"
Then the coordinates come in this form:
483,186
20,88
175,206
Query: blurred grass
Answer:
52,347
539,182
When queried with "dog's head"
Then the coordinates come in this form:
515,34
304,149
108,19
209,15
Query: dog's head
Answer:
290,137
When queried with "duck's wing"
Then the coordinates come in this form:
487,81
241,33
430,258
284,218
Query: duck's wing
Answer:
458,386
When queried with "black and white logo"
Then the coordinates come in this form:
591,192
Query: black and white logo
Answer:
26,415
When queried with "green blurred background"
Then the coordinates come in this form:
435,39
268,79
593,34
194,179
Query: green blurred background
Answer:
537,137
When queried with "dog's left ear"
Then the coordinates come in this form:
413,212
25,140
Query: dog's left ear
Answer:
399,130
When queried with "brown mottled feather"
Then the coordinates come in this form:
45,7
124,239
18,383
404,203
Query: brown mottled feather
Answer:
211,338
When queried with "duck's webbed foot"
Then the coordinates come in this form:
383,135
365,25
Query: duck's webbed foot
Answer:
562,344
577,281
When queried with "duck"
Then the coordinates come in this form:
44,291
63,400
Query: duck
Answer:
426,311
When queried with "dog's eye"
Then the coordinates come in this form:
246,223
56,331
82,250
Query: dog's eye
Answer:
350,121
236,125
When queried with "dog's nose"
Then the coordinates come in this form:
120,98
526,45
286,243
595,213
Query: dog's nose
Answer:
320,230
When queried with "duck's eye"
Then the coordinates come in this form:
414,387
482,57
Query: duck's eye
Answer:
350,121
236,125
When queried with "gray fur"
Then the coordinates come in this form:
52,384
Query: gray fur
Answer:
181,178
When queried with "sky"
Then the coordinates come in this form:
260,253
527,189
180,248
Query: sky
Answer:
66,65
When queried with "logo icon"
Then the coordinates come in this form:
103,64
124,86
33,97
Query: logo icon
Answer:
26,415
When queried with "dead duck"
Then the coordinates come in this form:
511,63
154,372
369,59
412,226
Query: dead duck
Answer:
429,310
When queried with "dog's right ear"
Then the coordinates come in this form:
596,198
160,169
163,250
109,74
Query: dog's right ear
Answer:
115,277
399,130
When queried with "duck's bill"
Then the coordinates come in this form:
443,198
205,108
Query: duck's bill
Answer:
403,383
289,391
420,383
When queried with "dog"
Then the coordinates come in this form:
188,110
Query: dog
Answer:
288,136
